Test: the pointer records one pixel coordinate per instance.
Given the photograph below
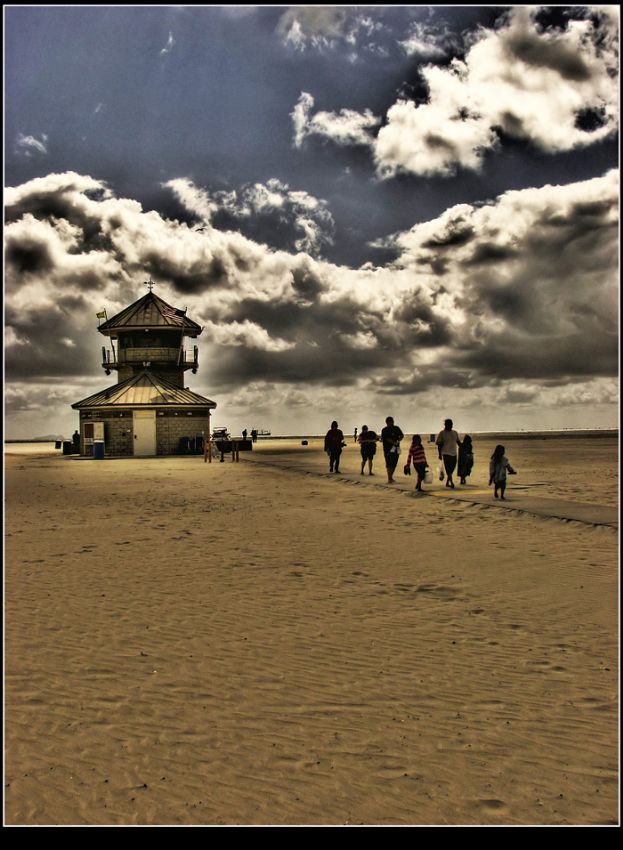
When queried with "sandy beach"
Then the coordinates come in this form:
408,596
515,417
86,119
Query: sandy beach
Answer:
265,643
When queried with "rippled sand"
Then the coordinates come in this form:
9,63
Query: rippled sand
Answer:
192,643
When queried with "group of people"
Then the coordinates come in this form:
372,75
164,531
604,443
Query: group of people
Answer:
454,454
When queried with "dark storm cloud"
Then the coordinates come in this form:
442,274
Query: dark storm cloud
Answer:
301,366
28,257
558,55
192,280
514,356
490,253
528,294
456,236
424,378
306,282
51,342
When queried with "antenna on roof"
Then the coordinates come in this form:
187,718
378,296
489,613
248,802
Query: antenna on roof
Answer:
149,284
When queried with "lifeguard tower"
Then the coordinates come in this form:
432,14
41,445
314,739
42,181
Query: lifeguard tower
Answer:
149,411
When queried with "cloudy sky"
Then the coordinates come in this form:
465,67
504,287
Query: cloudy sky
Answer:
406,210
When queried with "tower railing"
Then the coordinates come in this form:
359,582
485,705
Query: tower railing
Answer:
112,359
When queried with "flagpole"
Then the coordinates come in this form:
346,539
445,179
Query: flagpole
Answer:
181,351
112,344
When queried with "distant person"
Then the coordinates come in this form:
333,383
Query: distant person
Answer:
367,442
333,445
244,434
254,435
391,435
448,443
418,457
498,467
355,436
75,443
466,459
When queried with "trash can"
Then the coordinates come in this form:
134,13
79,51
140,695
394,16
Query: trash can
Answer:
98,449
67,447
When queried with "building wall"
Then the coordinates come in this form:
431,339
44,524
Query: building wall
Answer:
171,427
118,432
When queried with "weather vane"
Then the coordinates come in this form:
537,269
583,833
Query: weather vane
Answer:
149,284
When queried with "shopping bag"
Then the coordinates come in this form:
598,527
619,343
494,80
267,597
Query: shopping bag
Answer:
442,472
428,477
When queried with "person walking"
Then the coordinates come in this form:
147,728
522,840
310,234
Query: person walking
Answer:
333,444
367,442
448,443
418,457
391,435
466,458
355,435
498,467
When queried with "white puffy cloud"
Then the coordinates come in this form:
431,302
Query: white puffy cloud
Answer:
193,198
169,45
29,146
555,88
346,127
429,41
303,28
246,333
433,139
272,204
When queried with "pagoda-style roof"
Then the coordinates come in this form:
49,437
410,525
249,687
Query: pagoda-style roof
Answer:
144,390
150,311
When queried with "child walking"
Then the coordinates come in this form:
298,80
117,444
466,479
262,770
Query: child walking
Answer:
417,455
498,467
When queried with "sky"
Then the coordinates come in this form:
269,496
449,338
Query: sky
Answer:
371,211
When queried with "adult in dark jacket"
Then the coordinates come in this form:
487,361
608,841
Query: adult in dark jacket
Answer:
391,435
466,458
333,444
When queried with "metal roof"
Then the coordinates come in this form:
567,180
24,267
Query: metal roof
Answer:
151,311
144,390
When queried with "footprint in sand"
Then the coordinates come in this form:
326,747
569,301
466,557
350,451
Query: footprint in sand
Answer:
438,591
491,805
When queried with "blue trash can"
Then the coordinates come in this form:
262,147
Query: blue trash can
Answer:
98,449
